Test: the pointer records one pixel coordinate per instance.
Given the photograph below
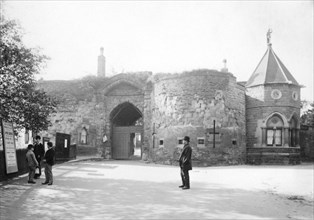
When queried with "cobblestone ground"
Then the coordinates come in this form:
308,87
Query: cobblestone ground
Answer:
135,190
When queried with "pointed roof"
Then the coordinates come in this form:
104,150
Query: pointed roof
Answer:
270,70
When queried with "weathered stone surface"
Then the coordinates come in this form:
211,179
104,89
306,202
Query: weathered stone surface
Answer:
172,106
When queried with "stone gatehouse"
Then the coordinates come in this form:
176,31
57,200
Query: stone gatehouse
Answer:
144,115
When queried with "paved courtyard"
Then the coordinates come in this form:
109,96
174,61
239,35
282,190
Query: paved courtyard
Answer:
100,189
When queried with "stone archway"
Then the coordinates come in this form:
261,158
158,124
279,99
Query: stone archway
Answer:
127,131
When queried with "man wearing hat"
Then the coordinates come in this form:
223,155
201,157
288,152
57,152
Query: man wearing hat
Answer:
185,163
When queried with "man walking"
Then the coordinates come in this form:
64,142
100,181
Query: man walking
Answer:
39,151
185,163
31,163
49,162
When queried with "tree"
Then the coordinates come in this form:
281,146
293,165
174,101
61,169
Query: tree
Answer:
20,101
307,117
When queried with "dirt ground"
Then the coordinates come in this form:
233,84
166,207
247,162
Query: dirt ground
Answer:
136,190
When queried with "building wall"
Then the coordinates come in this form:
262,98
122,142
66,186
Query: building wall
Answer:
187,104
172,105
260,105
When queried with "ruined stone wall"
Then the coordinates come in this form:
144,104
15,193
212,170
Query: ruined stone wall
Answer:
172,105
187,104
78,108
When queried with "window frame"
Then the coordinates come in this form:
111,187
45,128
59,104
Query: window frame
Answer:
274,139
200,144
85,143
163,142
178,141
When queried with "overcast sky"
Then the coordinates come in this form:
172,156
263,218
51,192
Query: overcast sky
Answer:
168,36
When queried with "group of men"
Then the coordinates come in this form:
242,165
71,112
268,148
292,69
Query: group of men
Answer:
35,157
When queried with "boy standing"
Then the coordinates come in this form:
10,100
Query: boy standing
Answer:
49,162
31,162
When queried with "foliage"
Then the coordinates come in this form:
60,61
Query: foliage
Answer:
20,101
307,117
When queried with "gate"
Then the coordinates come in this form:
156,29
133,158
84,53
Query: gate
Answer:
62,148
122,141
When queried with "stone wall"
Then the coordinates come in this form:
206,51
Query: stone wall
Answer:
273,155
307,143
172,106
188,104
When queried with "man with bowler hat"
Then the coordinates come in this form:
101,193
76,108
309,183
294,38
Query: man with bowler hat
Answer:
185,163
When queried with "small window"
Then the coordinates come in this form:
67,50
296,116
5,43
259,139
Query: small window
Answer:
201,142
83,139
161,142
180,140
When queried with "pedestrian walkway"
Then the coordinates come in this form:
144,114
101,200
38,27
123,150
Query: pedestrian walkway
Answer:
99,189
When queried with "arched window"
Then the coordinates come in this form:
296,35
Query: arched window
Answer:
83,139
274,131
293,132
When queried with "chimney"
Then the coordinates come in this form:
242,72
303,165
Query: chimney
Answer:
224,69
101,71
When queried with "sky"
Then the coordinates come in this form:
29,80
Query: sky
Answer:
167,36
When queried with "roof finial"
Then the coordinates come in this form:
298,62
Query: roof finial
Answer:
269,36
101,51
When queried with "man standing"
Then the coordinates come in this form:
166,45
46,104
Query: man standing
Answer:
185,163
49,160
31,163
39,151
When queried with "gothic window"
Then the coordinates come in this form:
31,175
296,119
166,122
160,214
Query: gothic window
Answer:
83,139
274,131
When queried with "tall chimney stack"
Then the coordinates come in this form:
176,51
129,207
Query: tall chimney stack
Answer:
101,71
224,69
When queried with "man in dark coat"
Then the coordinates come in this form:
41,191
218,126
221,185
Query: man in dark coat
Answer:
49,160
39,151
185,163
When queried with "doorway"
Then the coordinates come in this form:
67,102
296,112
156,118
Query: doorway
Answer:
127,132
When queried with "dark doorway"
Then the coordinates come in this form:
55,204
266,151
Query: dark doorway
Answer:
127,132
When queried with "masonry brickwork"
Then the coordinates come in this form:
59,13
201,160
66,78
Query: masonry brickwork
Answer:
172,106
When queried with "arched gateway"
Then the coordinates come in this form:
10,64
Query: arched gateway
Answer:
124,100
127,131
